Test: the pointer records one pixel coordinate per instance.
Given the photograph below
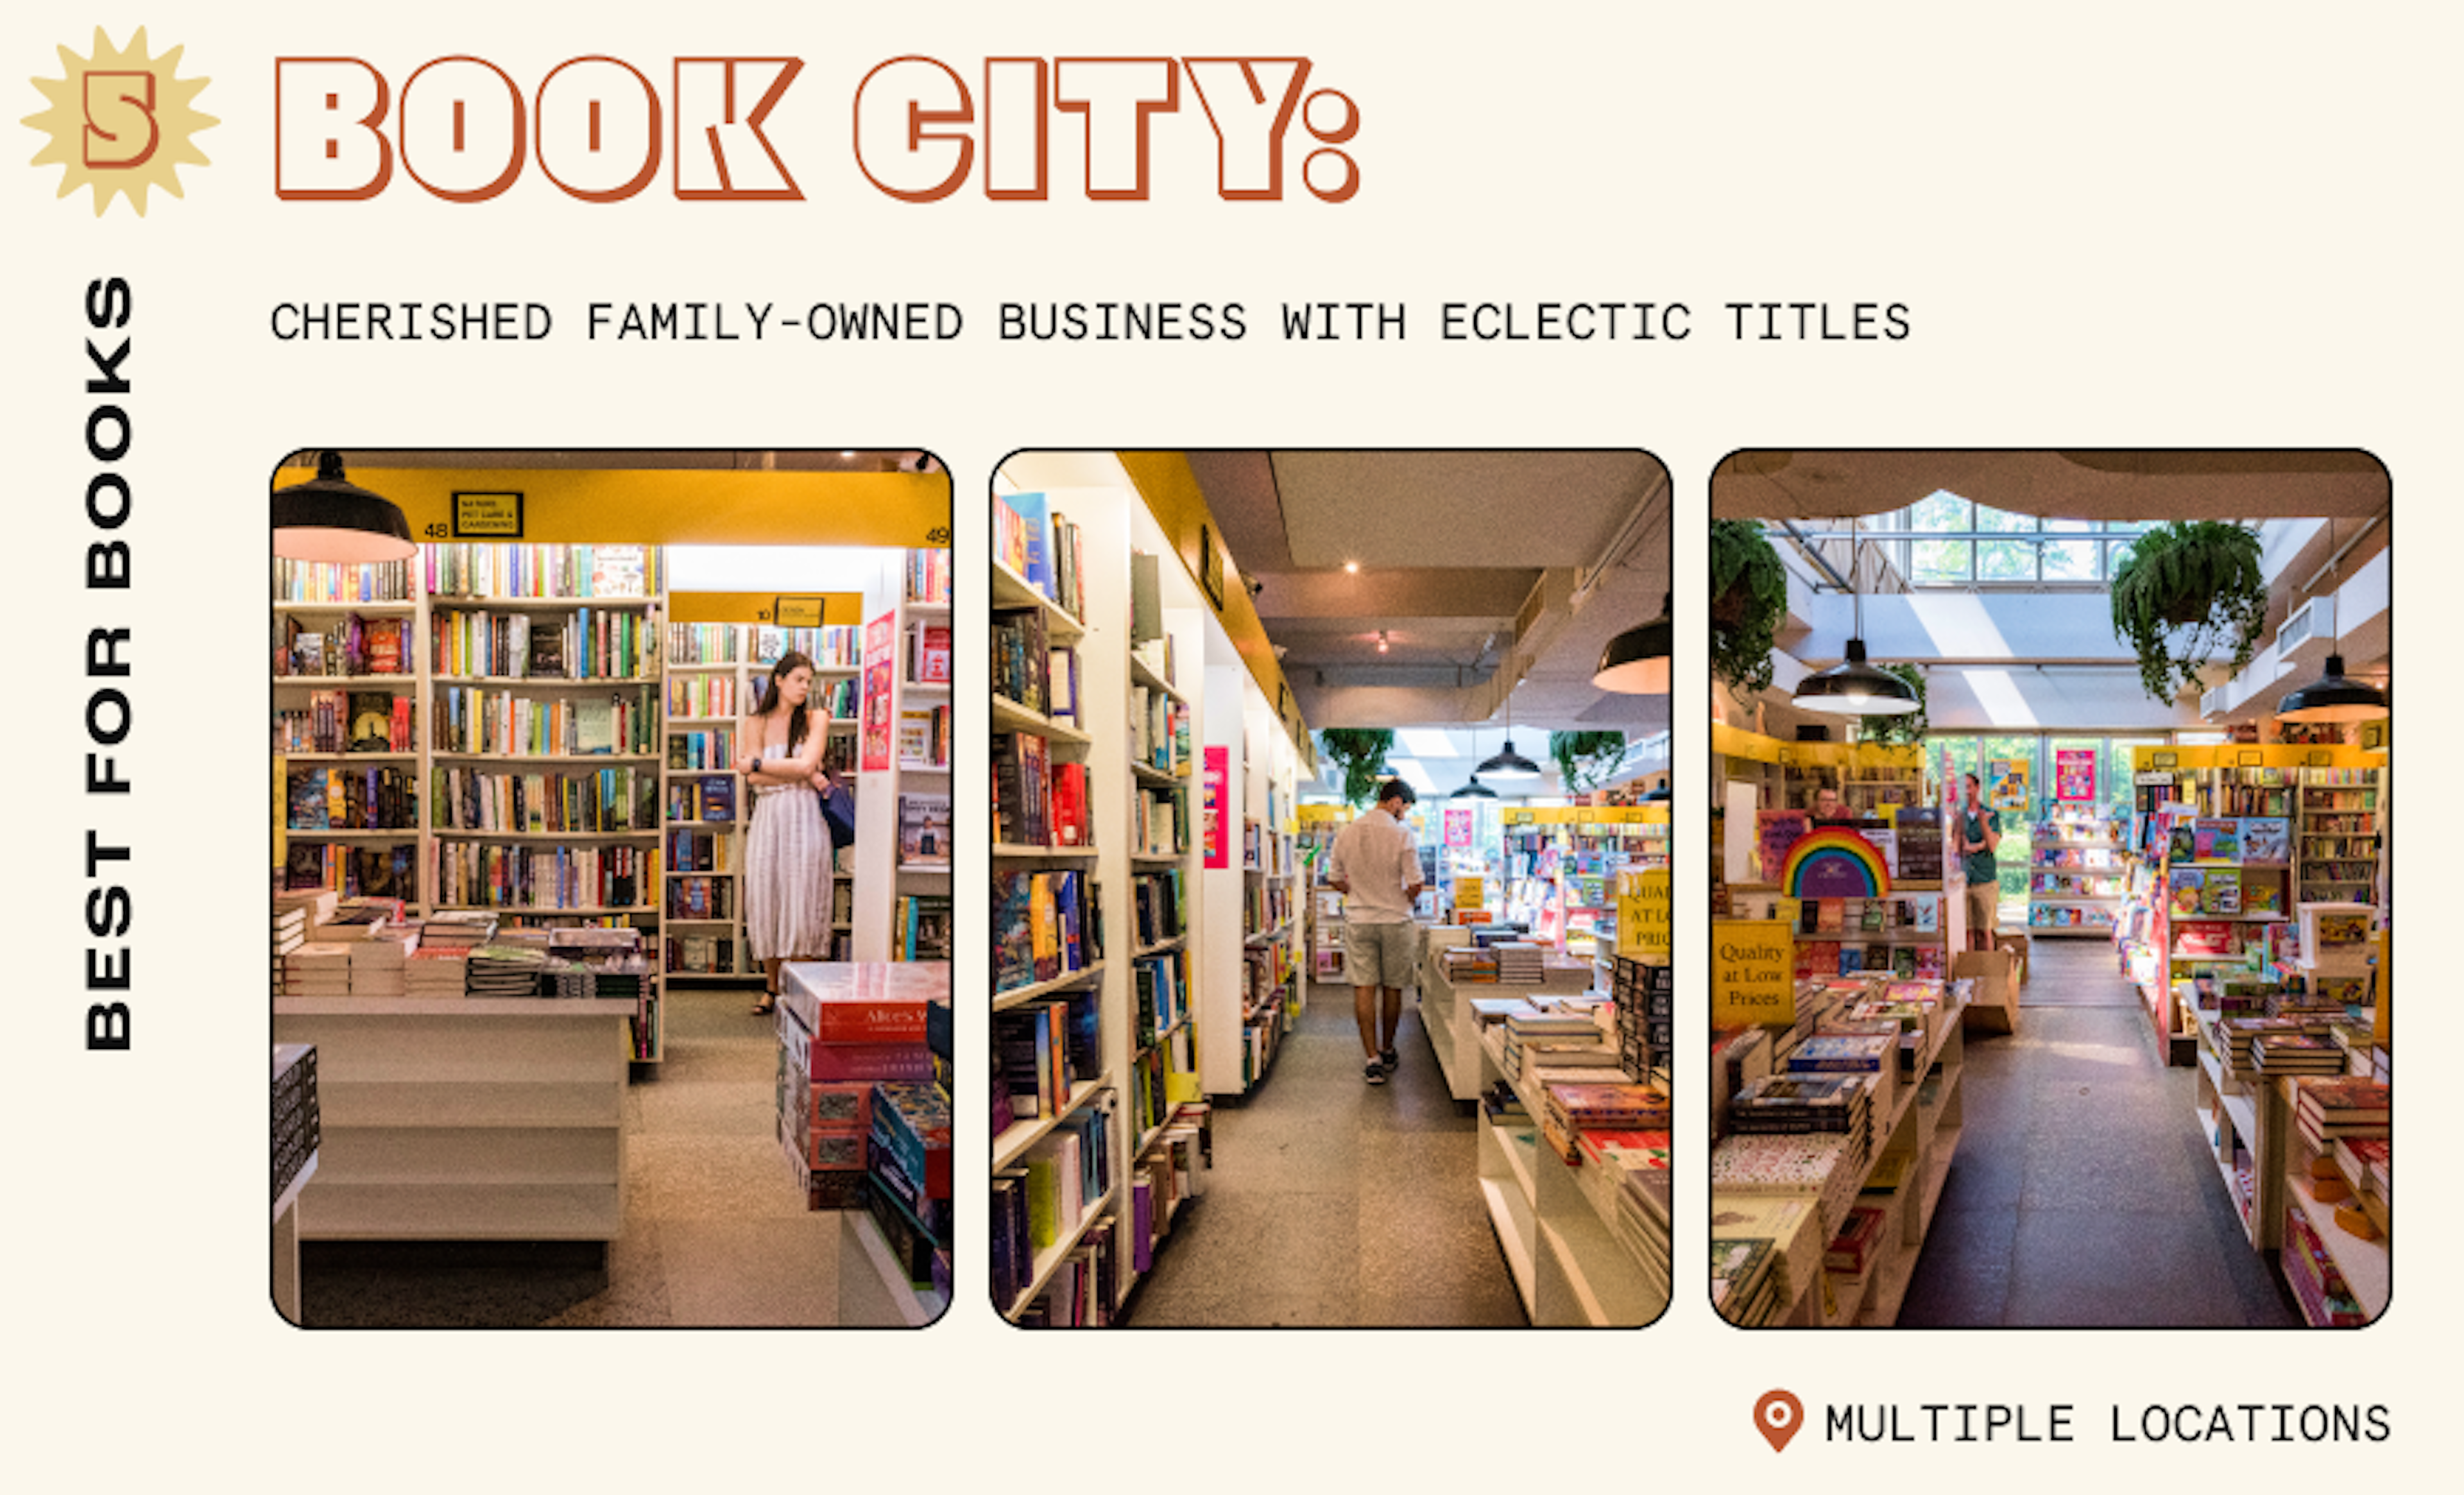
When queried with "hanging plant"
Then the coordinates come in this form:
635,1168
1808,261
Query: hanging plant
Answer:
1357,751
1585,760
2188,593
1749,596
1906,728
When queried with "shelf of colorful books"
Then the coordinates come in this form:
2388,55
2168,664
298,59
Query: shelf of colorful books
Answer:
1050,1259
350,758
2362,1265
1017,853
1012,1141
331,681
1013,590
1019,995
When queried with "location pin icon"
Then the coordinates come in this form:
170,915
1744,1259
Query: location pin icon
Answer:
1777,1417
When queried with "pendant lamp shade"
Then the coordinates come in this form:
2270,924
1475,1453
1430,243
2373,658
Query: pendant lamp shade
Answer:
331,518
1474,790
1635,662
1658,795
1853,688
2334,698
1508,766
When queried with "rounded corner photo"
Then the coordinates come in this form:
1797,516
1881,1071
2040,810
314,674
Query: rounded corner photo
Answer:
612,912
1330,888
2050,980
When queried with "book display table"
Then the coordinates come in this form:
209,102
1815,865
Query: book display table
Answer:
466,1118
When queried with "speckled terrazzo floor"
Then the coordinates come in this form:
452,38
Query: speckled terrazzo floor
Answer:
2081,1194
715,1233
1337,1203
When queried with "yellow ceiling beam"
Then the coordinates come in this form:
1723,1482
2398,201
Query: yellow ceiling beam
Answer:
638,506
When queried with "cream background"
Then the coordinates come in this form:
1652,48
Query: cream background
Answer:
2217,226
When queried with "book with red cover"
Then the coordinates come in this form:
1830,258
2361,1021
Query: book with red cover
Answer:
2346,1100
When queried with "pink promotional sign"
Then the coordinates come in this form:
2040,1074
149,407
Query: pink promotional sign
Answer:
1219,773
1458,824
2075,773
877,653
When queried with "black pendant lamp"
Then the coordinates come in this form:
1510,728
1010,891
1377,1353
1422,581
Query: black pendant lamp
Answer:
1852,687
329,517
1508,766
2334,698
1658,795
1474,790
1635,662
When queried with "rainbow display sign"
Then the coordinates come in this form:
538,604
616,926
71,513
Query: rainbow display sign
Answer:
1835,862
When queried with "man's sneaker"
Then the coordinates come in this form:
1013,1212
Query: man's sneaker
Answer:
1375,1072
1386,1057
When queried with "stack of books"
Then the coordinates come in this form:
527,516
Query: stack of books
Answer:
319,968
1859,1243
1789,1222
461,929
1571,1109
1787,1105
1844,1053
298,1128
1520,963
377,962
2280,1054
505,968
1546,1028
1467,965
1814,1165
843,1030
1744,1288
2327,1111
1646,998
435,972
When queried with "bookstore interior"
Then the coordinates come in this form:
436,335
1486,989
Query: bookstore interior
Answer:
2050,882
1206,666
565,1032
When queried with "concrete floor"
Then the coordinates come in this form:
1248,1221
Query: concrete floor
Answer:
1333,1202
2083,1193
716,1232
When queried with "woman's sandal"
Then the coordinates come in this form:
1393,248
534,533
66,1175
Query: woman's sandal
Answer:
764,1008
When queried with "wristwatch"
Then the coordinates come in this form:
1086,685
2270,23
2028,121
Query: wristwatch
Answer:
757,762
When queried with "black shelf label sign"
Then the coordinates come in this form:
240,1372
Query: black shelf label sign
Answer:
487,516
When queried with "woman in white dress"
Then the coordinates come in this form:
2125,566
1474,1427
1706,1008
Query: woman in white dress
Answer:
787,853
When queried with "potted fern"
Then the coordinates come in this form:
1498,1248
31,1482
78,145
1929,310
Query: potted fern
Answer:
1585,760
2189,592
1357,751
1749,596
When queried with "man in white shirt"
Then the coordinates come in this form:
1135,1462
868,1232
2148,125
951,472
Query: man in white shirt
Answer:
1378,870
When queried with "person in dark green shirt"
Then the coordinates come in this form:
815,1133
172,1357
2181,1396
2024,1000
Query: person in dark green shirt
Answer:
1979,832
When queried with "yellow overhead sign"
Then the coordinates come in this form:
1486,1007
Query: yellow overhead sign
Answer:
811,610
682,507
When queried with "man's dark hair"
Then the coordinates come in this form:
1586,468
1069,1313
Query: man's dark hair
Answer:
1397,789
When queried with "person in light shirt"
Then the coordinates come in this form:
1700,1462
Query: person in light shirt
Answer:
1378,870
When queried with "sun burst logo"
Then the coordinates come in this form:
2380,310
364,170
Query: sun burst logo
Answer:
121,122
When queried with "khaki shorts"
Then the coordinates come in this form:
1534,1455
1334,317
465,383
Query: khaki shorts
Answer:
1984,909
1381,955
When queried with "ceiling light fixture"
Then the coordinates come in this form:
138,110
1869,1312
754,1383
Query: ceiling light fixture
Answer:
331,518
1635,662
2334,698
1508,766
1474,790
1852,687
1381,640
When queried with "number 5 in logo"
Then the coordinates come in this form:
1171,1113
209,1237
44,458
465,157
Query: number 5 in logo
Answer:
121,134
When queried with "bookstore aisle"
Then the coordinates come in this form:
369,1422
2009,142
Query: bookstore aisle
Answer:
2052,899
518,848
2075,1156
1188,1128
1333,1204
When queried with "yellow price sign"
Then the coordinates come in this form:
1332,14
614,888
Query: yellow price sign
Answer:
1643,923
1753,972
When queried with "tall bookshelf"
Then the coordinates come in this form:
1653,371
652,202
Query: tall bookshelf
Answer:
715,676
919,783
2338,822
1053,1265
527,737
1251,968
